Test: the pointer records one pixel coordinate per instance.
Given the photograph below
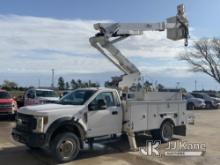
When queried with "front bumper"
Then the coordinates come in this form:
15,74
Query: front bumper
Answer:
201,106
7,112
29,138
215,105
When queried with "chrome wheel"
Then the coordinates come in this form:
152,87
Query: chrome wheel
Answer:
167,131
66,148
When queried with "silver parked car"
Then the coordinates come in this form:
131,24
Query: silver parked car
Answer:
193,102
209,101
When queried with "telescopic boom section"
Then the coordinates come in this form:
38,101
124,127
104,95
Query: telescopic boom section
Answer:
110,33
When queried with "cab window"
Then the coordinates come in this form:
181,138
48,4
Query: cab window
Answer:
77,97
4,95
108,99
31,94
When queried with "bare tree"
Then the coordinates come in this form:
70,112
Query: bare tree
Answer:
205,57
9,85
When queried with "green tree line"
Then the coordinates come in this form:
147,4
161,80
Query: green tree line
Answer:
74,84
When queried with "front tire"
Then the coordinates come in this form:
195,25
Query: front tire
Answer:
165,133
65,147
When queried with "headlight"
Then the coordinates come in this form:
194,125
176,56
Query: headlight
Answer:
214,102
14,106
41,122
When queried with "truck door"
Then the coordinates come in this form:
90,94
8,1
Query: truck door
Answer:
104,115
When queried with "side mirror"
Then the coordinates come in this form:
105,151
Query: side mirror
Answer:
101,104
14,98
91,107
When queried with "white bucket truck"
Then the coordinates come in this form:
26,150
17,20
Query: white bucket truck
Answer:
89,113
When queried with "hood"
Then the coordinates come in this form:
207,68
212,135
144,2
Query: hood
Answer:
195,99
49,98
216,98
45,109
6,100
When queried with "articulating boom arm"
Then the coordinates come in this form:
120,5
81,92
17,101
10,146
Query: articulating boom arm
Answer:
177,28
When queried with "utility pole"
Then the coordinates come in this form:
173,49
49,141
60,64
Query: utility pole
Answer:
38,83
52,79
195,85
177,85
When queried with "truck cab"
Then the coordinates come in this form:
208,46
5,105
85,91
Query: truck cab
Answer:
101,108
86,113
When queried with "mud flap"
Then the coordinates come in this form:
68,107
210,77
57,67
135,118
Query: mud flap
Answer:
180,130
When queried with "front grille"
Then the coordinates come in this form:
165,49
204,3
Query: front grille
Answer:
25,123
5,106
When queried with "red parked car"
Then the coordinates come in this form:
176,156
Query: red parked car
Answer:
7,104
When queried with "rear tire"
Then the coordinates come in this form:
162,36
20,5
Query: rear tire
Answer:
65,147
165,133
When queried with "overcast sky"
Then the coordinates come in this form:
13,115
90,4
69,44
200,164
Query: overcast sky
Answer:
36,36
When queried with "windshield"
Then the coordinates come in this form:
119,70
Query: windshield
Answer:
214,95
78,97
41,93
4,95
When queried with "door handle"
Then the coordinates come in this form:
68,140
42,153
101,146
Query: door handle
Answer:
114,112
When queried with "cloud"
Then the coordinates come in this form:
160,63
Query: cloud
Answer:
167,71
36,45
